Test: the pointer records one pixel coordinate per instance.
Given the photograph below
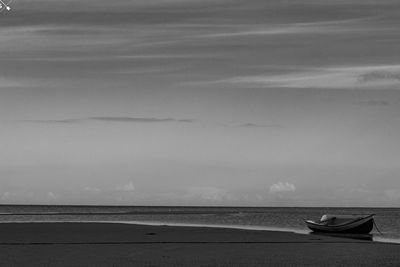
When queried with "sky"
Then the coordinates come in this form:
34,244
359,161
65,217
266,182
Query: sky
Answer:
200,102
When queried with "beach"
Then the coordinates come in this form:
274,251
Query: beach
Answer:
115,244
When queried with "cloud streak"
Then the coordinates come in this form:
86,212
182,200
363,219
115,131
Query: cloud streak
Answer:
112,119
259,125
317,27
374,102
139,120
357,77
12,83
62,121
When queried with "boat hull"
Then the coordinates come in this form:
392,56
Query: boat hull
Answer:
360,226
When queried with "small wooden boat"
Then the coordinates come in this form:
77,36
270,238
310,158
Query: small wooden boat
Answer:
355,224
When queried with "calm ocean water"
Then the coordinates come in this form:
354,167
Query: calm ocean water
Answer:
387,219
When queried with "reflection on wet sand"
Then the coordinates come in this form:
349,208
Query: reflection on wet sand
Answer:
367,237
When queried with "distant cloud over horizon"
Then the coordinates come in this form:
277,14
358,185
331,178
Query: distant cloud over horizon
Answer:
207,193
92,189
51,195
7,195
129,187
282,187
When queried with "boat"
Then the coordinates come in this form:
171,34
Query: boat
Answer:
354,224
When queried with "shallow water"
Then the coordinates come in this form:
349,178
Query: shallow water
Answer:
257,218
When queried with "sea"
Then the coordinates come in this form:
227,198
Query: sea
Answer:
255,218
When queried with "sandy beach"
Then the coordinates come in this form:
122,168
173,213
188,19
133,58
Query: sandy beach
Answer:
103,244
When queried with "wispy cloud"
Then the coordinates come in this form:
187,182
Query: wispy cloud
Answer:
259,125
261,30
138,119
61,121
378,76
315,27
110,57
111,119
11,83
374,102
36,38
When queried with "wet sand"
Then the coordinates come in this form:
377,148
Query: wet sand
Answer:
103,244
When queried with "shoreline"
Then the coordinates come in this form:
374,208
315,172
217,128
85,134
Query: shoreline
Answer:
116,244
374,237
